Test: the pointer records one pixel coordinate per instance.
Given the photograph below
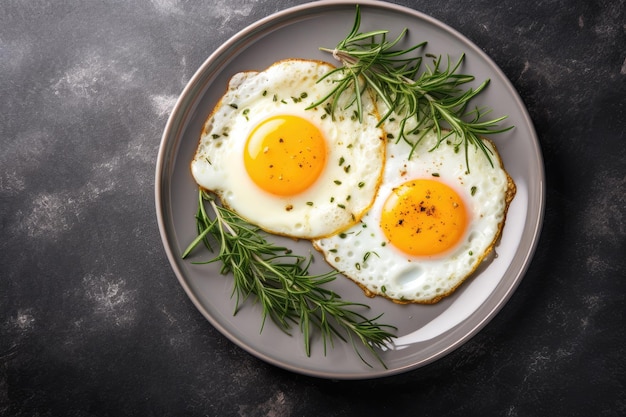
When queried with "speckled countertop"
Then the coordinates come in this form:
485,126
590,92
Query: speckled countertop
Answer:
93,321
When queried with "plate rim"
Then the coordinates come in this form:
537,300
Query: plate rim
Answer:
179,119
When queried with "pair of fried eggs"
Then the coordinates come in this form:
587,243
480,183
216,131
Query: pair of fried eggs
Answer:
409,229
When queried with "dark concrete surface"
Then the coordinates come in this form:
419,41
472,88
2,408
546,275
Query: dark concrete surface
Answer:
93,321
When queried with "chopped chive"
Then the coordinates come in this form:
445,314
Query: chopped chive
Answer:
367,255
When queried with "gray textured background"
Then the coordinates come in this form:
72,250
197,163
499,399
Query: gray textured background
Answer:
93,321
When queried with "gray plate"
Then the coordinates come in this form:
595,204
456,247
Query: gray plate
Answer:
425,333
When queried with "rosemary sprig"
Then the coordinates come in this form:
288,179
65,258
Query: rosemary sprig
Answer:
282,284
432,96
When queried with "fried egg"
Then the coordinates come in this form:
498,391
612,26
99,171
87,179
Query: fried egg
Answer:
290,170
432,224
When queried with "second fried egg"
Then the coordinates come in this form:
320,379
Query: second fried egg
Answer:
432,223
290,170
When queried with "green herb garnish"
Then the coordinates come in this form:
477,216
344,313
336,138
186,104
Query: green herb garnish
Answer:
429,94
281,282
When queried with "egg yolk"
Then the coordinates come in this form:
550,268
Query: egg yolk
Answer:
424,217
284,155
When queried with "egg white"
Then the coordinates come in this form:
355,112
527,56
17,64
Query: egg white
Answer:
364,254
355,152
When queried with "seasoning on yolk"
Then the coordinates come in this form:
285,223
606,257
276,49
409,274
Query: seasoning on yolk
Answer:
284,155
424,217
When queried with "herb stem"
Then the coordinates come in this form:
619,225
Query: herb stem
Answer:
431,95
282,284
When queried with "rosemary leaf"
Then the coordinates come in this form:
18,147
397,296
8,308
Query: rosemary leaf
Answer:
432,96
280,281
